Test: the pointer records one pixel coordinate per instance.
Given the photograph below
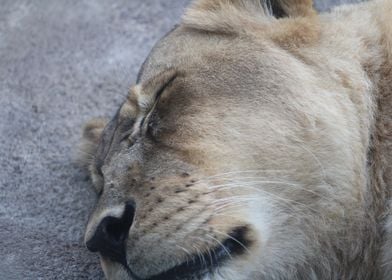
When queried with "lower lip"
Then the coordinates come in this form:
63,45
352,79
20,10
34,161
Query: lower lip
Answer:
104,265
184,271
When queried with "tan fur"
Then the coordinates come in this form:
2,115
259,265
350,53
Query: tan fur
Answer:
242,17
279,126
298,7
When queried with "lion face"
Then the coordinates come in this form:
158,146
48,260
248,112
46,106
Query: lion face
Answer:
222,163
179,168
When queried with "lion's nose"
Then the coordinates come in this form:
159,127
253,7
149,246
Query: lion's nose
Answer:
111,233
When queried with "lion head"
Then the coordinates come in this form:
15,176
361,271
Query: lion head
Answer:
237,154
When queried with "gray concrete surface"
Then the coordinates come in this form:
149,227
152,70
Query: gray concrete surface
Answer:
61,63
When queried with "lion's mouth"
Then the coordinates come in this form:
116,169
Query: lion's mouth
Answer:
199,265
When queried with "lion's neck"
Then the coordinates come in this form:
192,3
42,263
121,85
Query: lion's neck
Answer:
380,72
365,39
357,45
380,153
362,48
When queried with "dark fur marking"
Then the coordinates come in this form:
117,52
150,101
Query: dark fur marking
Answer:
185,174
180,190
205,193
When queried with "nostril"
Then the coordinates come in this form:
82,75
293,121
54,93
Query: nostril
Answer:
116,230
111,233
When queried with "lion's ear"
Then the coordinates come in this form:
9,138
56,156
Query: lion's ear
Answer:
297,22
242,16
292,8
92,132
225,16
219,9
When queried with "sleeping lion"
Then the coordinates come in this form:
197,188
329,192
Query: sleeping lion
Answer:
256,144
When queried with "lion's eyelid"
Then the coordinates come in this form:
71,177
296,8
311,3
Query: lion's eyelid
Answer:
147,93
147,96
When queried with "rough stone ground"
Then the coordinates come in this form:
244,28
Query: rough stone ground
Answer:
61,63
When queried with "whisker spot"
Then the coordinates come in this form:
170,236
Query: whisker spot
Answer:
180,190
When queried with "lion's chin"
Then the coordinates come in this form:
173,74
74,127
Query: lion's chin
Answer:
113,270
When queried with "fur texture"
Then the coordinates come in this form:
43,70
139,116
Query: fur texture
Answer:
279,126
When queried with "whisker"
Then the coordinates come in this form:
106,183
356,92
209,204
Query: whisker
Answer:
208,178
234,239
286,200
187,253
220,243
240,184
202,259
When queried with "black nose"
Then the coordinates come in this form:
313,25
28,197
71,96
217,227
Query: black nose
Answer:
111,233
